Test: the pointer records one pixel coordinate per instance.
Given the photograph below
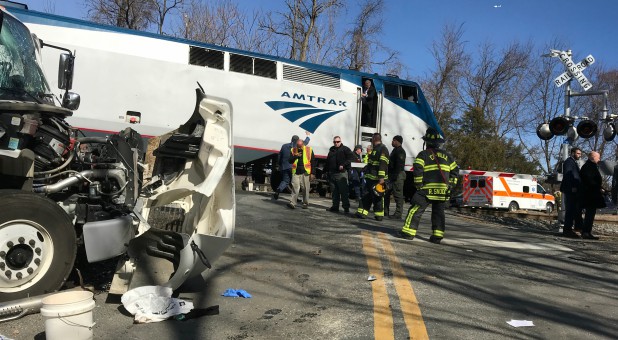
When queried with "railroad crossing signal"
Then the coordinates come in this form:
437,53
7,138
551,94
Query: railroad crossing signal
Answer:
573,70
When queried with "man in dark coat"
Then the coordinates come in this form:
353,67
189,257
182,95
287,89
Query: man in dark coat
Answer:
592,192
337,165
397,176
368,98
570,187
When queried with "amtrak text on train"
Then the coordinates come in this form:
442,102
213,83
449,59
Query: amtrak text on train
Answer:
314,99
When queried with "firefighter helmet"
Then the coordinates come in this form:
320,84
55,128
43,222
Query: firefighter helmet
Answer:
379,189
432,136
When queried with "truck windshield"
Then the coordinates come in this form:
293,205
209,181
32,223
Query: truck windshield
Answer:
21,77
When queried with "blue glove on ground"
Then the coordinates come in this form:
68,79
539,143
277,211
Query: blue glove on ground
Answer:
236,293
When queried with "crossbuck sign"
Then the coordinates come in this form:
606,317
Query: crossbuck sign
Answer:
573,70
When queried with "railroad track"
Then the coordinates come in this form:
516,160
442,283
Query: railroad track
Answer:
531,215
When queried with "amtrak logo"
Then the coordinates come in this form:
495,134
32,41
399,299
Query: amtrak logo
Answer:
294,111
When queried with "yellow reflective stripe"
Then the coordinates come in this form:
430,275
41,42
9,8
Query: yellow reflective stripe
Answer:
419,161
384,158
438,185
418,179
438,233
381,173
434,167
453,166
436,198
379,213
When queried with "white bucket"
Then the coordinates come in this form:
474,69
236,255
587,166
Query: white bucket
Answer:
68,315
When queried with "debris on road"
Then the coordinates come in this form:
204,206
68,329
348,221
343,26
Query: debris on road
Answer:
371,278
153,304
236,293
317,252
198,312
520,323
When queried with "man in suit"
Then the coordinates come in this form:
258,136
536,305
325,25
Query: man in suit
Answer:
368,99
570,186
592,196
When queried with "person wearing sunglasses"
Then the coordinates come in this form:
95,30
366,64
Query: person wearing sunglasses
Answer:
338,163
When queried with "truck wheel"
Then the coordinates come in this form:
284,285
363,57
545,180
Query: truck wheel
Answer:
513,206
37,245
549,208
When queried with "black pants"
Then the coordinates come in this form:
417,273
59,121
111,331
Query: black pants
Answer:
340,190
371,199
419,204
572,211
588,220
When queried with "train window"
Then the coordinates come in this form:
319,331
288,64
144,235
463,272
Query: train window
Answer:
410,93
473,183
391,90
205,57
265,68
241,63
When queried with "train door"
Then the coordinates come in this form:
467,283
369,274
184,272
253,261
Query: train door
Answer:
369,112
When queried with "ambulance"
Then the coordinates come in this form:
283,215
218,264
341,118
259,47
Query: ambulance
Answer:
501,190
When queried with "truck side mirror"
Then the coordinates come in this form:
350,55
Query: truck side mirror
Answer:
71,101
65,71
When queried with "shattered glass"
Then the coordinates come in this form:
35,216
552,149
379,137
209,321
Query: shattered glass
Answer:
21,77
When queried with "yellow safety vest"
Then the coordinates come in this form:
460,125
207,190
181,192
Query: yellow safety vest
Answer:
306,160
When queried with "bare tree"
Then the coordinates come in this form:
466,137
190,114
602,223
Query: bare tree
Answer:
362,47
591,107
441,86
224,23
49,7
161,9
543,102
494,83
133,14
299,24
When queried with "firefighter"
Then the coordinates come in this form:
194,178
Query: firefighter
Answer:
375,174
435,173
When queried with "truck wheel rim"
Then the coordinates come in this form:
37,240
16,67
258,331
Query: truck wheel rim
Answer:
26,252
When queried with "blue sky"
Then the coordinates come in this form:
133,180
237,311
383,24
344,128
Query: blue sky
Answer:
587,27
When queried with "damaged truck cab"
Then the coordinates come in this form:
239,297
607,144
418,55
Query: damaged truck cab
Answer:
61,189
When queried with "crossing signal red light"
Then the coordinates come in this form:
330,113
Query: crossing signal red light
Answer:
559,126
587,128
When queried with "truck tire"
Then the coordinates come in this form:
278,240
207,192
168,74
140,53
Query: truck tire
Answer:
37,245
513,206
549,208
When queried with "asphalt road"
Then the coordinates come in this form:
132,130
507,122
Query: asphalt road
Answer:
307,271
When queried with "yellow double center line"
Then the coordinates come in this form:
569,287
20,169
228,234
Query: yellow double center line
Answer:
383,316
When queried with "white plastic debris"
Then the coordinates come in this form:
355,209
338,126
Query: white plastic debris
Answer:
520,323
153,304
371,278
